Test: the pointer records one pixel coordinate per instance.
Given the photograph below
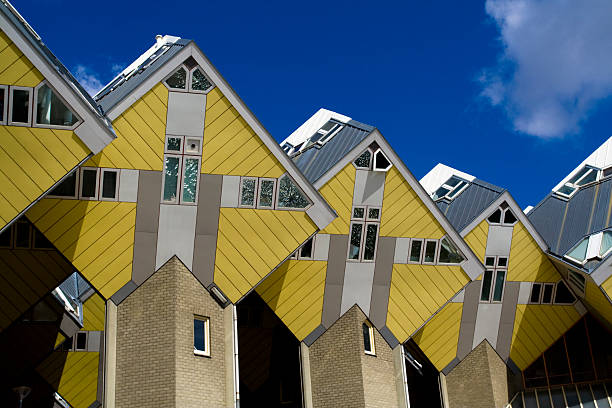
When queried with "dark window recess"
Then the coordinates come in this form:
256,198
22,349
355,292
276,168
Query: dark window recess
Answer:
579,354
495,217
422,378
89,183
502,262
486,286
5,237
199,338
381,161
109,184
547,295
20,106
535,293
67,344
22,235
306,250
415,251
563,294
367,343
430,251
509,217
81,341
490,261
535,375
40,241
370,242
66,188
557,365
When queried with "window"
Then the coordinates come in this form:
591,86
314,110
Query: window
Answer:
267,189
329,129
381,162
247,191
493,279
450,189
23,235
178,79
431,248
89,183
563,295
368,338
595,246
51,110
20,112
584,176
449,254
67,188
305,251
577,280
3,104
502,216
81,341
416,251
189,77
290,195
364,161
181,170
201,336
199,81
551,293
110,184
547,293
364,234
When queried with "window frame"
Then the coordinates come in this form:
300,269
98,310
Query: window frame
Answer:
4,120
374,160
367,213
184,149
179,184
187,79
552,294
101,183
181,188
435,252
255,193
363,239
420,252
371,352
75,341
190,76
10,122
77,186
440,248
348,251
57,94
298,252
370,163
495,268
260,181
80,183
539,301
206,351
168,151
277,198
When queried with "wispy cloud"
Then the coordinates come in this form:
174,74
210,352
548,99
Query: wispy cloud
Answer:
89,79
555,66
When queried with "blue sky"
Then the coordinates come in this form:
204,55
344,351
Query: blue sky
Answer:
515,92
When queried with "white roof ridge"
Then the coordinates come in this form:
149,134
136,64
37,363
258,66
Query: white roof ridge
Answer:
600,158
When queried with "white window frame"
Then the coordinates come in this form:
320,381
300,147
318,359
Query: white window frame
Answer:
364,221
77,185
367,213
174,152
298,252
348,251
575,185
363,238
369,164
10,110
371,335
539,301
258,193
255,193
75,340
435,252
101,184
206,351
552,295
276,199
186,140
179,184
184,159
4,120
365,209
187,79
440,248
495,268
35,109
450,189
190,72
420,254
386,169
80,182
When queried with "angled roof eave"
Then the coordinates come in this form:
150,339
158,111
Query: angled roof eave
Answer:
96,133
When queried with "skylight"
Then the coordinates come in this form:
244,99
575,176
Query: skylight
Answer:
450,189
585,176
593,247
320,137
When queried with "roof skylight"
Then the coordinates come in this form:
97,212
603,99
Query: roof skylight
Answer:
593,247
320,137
585,176
450,189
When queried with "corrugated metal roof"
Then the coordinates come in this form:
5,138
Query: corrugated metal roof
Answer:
36,42
318,160
547,218
122,86
470,203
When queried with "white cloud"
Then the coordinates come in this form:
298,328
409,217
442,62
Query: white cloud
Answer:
556,63
88,79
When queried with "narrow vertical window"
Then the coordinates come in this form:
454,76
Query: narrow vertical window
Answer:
266,193
81,341
22,234
355,240
3,104
171,176
306,249
201,336
485,293
536,289
89,183
416,247
191,172
109,184
498,289
547,293
368,338
21,109
369,250
430,251
247,192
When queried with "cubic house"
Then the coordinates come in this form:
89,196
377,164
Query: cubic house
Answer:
158,248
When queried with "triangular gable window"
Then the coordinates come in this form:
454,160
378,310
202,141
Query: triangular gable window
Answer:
178,80
290,195
199,82
51,109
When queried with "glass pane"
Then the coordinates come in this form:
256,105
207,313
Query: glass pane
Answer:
563,294
557,398
556,364
606,243
306,250
2,94
199,82
171,172
178,79
579,252
518,401
374,213
358,213
247,196
547,295
457,188
198,335
109,184
370,242
441,192
530,400
509,217
363,161
495,217
590,177
66,188
356,231
544,399
40,241
585,396
567,190
266,193
449,253
50,110
415,251
490,261
381,161
22,235
88,187
581,363
174,144
5,237
430,251
578,175
367,344
600,396
536,288
499,286
571,397
20,106
502,261
289,195
81,341
486,286
535,374
190,180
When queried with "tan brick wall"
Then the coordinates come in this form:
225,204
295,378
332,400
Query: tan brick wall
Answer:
156,366
343,375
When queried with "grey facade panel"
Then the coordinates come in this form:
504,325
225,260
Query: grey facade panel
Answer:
125,291
314,335
207,225
391,340
334,281
577,218
602,203
382,281
147,224
506,323
547,218
468,319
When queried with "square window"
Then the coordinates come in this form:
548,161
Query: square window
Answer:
373,213
110,185
490,261
21,106
89,183
502,262
174,144
201,336
416,248
358,213
248,186
193,145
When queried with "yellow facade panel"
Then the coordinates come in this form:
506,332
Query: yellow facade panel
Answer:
417,292
536,328
477,239
527,261
141,134
438,339
15,68
250,243
403,212
230,144
94,311
97,237
597,300
295,293
338,192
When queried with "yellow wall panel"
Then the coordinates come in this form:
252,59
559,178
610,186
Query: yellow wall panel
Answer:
250,243
231,146
295,293
597,300
32,160
438,339
74,375
536,328
97,237
94,311
338,192
477,239
15,68
141,133
403,212
527,262
417,292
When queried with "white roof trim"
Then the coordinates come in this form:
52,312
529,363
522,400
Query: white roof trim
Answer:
314,123
439,175
600,158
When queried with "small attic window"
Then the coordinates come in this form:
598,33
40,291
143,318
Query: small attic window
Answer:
51,109
596,246
503,215
586,175
290,195
381,162
178,80
364,160
450,189
329,129
199,82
